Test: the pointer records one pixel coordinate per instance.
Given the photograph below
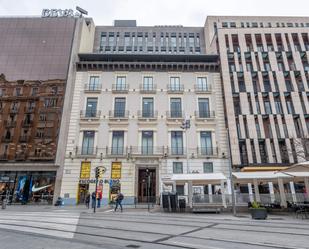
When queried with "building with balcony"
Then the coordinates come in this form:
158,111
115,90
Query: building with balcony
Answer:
35,95
132,93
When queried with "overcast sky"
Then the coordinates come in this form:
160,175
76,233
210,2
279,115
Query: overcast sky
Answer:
159,12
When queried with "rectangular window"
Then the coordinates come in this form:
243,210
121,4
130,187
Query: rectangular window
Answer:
93,83
175,84
203,106
177,168
121,83
118,143
148,84
177,143
147,110
176,109
91,107
278,106
147,142
120,107
208,167
206,143
180,190
267,107
202,84
88,143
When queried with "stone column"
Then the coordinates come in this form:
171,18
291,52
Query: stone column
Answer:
281,191
256,190
223,194
271,192
190,194
307,187
292,187
210,193
251,197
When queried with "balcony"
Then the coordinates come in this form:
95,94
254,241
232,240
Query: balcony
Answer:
9,123
90,115
119,151
148,89
120,88
4,157
175,89
24,139
203,115
7,139
147,115
93,88
14,110
175,115
27,123
206,152
147,151
118,115
202,89
86,151
176,151
29,109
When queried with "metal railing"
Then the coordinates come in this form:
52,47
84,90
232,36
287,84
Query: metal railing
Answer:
86,151
119,114
120,88
93,87
29,109
24,139
204,114
202,88
147,151
176,151
90,114
117,151
148,88
175,88
175,115
206,151
147,114
27,123
9,123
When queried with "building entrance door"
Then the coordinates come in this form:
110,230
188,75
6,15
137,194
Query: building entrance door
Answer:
83,189
142,185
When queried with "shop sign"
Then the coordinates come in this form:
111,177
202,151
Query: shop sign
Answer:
85,170
89,181
116,170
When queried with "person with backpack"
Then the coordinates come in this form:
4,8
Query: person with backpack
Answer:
119,199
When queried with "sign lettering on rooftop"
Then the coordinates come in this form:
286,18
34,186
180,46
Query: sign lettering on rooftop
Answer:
60,13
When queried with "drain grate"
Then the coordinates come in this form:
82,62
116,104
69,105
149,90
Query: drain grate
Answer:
133,246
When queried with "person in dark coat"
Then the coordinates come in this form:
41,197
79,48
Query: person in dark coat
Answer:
93,197
119,199
87,201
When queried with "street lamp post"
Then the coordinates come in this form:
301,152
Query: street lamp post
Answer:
148,186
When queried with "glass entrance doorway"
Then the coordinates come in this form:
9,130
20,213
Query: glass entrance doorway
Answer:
142,185
83,189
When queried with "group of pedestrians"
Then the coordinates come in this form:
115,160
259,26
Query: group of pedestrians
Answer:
98,198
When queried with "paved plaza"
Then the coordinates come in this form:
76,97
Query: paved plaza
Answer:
48,227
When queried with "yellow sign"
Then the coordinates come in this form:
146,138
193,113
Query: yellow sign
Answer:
116,170
85,170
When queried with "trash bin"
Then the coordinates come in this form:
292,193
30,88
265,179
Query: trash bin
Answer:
182,204
173,201
4,204
165,201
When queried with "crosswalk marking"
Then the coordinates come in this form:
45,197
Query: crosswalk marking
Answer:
56,224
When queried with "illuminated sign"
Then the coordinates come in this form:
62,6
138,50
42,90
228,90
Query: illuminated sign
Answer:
116,170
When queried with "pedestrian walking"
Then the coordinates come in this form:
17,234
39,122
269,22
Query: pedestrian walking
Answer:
87,200
119,199
99,198
93,197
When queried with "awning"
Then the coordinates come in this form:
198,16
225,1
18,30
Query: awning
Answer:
299,167
263,168
260,175
199,178
268,175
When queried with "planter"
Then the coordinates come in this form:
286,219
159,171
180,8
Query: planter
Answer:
258,213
